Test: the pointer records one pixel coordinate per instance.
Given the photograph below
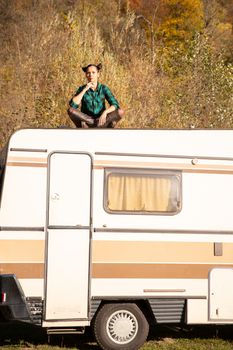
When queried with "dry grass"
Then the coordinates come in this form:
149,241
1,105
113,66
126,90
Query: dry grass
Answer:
45,43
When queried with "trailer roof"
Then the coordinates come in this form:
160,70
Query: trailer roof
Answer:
195,142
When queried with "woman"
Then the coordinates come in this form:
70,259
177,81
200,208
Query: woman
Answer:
92,98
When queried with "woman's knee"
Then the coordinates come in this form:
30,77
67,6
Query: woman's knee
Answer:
71,113
74,117
120,112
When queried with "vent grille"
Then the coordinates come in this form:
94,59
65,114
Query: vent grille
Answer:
168,310
95,303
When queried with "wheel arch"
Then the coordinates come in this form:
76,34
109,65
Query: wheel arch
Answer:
143,305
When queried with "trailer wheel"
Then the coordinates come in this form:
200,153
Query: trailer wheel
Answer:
120,326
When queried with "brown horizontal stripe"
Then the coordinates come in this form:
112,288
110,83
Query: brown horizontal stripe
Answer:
22,250
121,270
165,252
153,270
23,164
23,270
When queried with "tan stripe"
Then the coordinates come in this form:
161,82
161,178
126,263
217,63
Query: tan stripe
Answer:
202,171
23,270
39,165
22,250
126,251
28,159
209,168
152,270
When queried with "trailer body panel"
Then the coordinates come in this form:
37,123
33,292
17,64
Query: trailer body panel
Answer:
90,217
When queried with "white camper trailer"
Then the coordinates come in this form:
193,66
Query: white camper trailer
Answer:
117,228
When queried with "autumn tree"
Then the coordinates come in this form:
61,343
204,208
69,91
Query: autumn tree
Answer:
182,19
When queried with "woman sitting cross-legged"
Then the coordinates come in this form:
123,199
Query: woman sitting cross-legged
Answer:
92,97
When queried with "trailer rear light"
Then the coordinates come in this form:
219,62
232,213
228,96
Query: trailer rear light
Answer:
3,297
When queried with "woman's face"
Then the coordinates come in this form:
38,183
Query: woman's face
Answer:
92,74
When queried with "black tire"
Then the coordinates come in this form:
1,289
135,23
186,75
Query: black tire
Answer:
120,326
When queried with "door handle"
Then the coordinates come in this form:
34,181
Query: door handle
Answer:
55,197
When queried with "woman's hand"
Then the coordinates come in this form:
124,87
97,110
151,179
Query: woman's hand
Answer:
102,119
78,98
90,85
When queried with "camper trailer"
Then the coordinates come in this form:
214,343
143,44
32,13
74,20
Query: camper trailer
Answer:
117,229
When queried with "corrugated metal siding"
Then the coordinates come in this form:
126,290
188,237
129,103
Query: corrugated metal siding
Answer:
94,306
168,310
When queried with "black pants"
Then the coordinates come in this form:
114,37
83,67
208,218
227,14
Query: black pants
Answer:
82,120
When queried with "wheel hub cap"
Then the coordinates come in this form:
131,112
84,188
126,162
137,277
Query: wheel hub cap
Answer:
122,327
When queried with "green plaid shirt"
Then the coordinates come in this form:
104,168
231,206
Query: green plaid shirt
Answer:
93,102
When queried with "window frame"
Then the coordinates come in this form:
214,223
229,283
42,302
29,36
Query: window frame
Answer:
143,172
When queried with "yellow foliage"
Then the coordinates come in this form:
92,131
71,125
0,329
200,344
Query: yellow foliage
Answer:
185,17
225,27
6,73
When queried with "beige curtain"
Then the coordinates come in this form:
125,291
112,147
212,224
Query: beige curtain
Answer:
140,193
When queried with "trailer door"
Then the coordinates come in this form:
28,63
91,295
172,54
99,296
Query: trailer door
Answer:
220,294
68,236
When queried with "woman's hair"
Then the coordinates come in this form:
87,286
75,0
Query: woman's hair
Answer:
98,67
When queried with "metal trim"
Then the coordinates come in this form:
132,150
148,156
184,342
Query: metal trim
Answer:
136,230
172,156
66,319
145,297
66,330
28,150
78,227
12,228
164,290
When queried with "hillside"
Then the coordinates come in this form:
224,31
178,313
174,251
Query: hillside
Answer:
169,62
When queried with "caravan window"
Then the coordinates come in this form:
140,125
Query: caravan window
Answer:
144,192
